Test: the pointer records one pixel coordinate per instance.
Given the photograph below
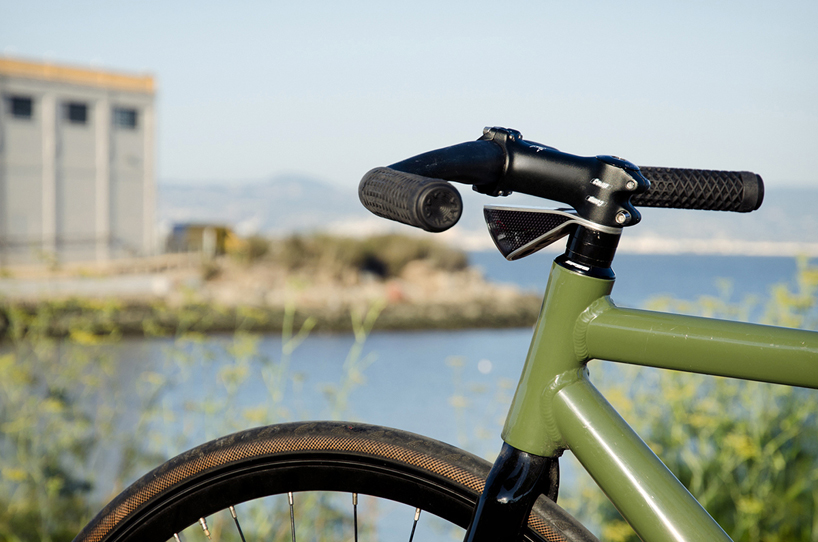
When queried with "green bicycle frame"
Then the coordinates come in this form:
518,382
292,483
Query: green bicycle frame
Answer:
556,407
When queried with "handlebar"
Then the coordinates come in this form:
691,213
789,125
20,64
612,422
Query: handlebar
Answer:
602,189
737,191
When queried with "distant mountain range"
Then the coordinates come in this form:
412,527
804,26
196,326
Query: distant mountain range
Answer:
786,224
280,205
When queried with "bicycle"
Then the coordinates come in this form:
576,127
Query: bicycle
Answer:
555,406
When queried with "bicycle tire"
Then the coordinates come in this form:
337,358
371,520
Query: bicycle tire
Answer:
314,456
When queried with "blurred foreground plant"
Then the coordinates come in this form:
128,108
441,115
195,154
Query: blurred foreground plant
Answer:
747,451
242,362
67,405
57,405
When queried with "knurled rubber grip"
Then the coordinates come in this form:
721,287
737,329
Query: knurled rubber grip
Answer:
430,204
739,191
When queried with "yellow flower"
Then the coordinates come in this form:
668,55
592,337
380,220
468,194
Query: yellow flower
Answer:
617,531
742,445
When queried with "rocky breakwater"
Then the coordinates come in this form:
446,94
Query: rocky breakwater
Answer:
228,294
420,297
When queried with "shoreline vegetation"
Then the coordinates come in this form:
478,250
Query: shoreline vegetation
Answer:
262,285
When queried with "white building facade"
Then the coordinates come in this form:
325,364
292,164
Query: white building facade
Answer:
76,164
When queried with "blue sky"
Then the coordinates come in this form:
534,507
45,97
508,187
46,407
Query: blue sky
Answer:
248,90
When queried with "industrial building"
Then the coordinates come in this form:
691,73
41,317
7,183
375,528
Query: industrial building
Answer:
76,164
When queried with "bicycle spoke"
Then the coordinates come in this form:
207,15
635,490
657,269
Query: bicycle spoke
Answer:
292,514
203,523
236,521
415,524
355,514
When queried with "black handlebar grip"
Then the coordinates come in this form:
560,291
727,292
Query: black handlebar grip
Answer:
739,191
431,204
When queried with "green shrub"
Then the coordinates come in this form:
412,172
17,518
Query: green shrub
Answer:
383,255
248,250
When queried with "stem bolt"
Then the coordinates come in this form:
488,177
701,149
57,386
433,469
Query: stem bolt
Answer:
622,217
631,185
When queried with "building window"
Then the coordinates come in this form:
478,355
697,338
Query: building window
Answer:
76,113
21,107
125,118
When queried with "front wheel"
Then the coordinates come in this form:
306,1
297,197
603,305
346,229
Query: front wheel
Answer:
291,458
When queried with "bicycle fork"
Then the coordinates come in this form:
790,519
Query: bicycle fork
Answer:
514,483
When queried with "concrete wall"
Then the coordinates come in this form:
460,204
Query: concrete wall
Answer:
76,182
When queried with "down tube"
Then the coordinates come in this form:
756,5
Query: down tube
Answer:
648,495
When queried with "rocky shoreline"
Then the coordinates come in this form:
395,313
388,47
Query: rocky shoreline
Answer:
224,295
